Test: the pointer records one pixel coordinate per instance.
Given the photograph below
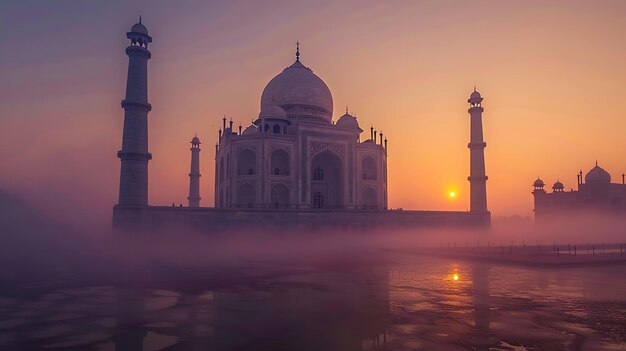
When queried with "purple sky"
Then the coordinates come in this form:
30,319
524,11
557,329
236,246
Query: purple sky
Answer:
553,77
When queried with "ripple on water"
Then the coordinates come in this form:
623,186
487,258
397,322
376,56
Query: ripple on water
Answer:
160,302
80,340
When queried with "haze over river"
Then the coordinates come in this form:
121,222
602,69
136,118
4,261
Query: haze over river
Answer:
372,301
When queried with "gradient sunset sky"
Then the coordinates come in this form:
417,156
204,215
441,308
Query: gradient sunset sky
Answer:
553,75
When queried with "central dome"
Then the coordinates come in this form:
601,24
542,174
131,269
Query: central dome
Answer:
597,175
299,92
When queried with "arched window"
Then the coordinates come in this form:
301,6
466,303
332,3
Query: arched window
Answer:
280,196
246,195
370,199
221,169
266,128
368,168
276,129
280,163
327,185
228,166
246,162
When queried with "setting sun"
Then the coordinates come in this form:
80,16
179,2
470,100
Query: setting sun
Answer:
455,277
452,194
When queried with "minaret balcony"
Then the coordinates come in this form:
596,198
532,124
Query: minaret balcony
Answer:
477,145
133,156
475,109
133,105
477,178
138,50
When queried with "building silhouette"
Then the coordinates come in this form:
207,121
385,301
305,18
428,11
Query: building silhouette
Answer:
294,156
134,155
293,166
194,174
477,178
595,194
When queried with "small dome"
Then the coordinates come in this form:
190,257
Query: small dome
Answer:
195,140
272,111
538,183
348,121
597,175
558,185
139,28
475,95
251,129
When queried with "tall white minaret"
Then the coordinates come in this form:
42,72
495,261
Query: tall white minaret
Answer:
477,178
134,154
194,174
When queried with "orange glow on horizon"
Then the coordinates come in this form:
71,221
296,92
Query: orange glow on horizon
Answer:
552,77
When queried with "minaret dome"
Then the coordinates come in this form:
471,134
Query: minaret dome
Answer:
138,35
475,99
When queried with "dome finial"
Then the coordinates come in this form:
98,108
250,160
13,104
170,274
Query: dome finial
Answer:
346,109
596,162
474,88
297,51
139,19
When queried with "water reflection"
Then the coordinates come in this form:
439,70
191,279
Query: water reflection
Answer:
412,304
312,311
482,306
129,332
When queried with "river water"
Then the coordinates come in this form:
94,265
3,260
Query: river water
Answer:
401,302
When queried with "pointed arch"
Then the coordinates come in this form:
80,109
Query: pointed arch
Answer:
370,199
368,169
327,180
246,162
280,163
246,195
280,196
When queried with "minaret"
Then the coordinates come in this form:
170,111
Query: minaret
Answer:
539,196
134,154
477,178
194,174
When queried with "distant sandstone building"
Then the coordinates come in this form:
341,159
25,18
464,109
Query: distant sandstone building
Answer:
596,194
293,166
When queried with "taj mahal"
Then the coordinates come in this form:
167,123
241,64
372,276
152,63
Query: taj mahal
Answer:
294,156
295,166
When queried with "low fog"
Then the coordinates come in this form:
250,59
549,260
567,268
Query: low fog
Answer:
39,251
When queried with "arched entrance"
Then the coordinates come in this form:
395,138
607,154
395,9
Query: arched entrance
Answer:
246,163
326,181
